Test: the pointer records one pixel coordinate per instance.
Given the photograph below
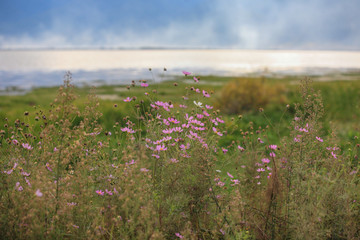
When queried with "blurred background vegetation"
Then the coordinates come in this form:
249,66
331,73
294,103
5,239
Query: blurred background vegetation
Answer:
244,101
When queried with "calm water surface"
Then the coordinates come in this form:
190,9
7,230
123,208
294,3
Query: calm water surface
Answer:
25,69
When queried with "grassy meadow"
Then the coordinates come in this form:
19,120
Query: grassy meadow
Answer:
192,158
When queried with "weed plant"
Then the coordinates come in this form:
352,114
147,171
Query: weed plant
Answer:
164,171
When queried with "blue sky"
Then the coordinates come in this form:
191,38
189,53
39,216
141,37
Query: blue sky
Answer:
243,24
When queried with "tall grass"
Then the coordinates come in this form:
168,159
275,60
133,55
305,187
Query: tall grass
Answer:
164,171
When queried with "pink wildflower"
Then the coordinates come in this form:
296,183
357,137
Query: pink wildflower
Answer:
224,150
272,154
48,167
260,170
273,147
296,139
155,156
161,148
205,94
186,73
231,176
26,146
128,99
333,154
260,141
173,120
208,107
126,129
178,234
108,192
265,160
144,85
144,170
319,139
101,193
182,106
217,132
235,181
167,131
174,160
220,120
38,193
196,79
222,231
241,148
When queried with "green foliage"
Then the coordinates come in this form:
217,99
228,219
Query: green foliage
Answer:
247,94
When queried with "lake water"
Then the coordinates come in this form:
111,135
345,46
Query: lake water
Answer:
26,69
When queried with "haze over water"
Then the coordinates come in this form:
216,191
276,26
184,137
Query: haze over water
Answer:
34,68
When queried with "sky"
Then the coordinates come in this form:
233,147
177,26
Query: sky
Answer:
226,24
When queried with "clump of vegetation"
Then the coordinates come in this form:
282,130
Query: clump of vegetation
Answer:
246,94
163,171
